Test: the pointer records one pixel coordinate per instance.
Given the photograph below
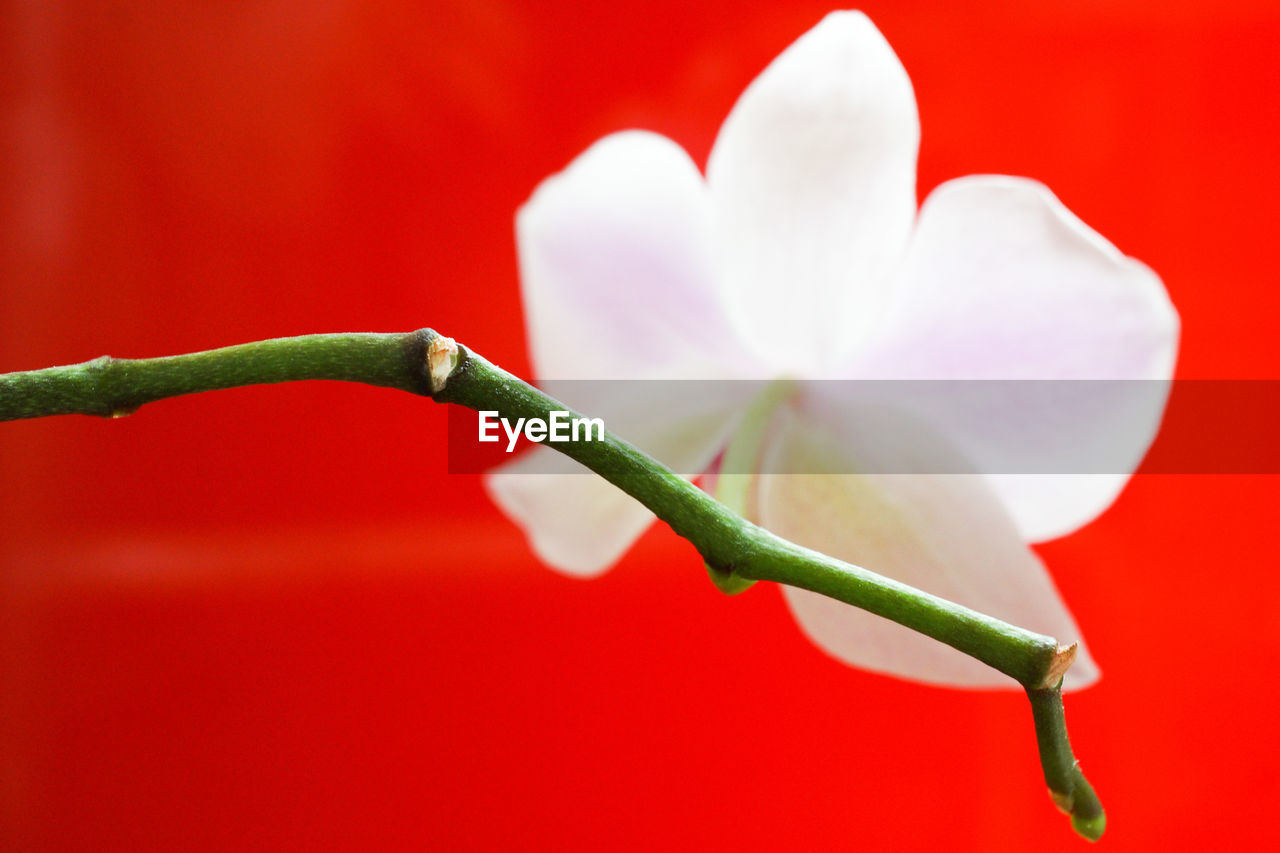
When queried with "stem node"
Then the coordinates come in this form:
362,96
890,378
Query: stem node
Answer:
1062,659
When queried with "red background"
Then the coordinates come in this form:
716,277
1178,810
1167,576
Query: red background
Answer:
267,618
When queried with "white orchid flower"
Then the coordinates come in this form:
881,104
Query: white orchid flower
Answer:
802,254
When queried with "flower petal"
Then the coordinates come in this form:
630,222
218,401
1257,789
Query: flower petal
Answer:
617,270
947,535
578,522
1003,282
813,181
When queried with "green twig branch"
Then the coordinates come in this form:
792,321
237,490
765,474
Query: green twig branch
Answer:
113,387
431,365
1071,792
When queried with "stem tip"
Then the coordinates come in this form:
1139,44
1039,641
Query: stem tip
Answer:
1089,828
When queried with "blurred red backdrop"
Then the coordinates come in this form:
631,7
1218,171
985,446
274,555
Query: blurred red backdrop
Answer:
268,618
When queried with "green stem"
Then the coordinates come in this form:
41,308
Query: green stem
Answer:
425,363
112,387
1071,792
735,545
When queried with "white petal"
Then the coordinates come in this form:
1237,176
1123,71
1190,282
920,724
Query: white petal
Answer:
617,270
947,535
1003,282
1057,452
577,521
813,180
579,524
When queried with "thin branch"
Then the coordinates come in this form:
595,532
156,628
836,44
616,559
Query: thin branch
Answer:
113,387
431,365
1071,792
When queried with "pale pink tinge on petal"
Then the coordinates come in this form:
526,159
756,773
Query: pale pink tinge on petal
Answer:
617,268
1001,281
813,182
947,535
